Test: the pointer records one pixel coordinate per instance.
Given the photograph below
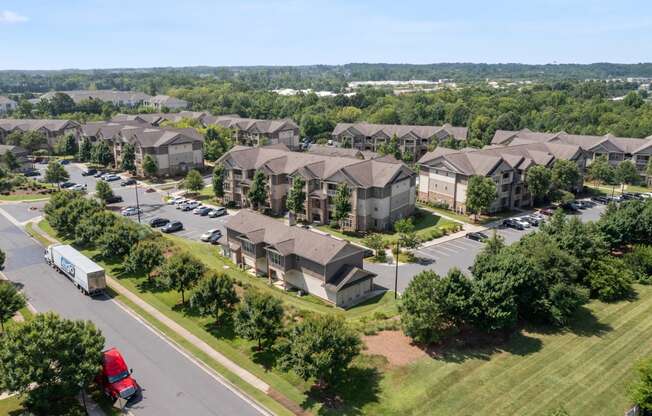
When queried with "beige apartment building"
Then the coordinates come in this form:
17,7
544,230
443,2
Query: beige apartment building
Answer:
255,132
383,190
444,173
50,128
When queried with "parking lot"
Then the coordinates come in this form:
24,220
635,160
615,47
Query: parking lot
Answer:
459,253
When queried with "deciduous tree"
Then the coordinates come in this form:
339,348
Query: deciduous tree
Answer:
11,301
181,272
296,196
218,180
150,167
214,294
103,191
342,203
257,194
481,192
193,181
117,241
259,318
565,175
538,179
56,173
144,257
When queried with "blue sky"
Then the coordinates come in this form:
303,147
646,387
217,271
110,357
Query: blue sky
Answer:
54,34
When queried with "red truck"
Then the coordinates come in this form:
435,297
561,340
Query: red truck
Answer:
115,377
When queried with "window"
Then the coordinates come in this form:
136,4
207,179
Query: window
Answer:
505,175
518,190
505,188
275,258
248,246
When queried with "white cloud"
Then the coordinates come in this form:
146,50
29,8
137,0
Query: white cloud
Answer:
8,17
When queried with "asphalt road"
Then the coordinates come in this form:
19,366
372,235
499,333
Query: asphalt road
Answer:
459,253
172,383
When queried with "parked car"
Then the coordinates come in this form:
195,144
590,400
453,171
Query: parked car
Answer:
129,211
175,199
570,207
31,172
547,211
531,220
646,195
584,204
189,206
115,377
88,172
111,177
64,162
215,238
180,202
210,233
158,222
512,223
128,182
114,199
67,185
150,190
217,212
523,222
99,174
600,199
79,187
477,236
172,227
203,211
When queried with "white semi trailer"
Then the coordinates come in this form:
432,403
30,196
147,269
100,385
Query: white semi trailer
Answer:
82,271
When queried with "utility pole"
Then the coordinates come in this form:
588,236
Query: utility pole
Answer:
137,203
398,250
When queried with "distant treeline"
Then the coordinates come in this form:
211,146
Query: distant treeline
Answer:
318,77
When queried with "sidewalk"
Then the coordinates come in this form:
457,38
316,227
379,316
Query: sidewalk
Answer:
181,331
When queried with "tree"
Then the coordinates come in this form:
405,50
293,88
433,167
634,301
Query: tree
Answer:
181,272
85,149
601,171
10,160
91,227
633,99
626,173
47,369
103,191
320,347
144,258
218,180
648,169
117,241
565,175
258,192
610,280
640,390
101,154
259,318
342,203
296,196
214,294
407,236
150,168
11,301
376,242
56,173
538,179
480,193
128,161
193,181
390,148
68,145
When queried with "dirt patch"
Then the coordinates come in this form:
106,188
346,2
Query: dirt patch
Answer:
395,346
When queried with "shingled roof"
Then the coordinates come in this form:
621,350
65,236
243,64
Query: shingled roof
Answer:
252,125
287,240
389,130
27,124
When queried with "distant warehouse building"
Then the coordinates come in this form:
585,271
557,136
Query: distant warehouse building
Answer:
292,257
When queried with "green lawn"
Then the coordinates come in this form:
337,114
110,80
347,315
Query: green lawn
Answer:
423,225
586,369
484,219
18,197
11,406
607,189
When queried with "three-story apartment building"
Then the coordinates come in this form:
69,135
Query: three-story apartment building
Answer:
382,190
415,139
51,129
255,132
444,173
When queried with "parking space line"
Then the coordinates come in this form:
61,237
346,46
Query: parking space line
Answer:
438,253
443,247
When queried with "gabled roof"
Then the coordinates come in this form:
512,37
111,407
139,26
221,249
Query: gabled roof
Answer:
6,100
26,124
252,125
317,149
347,276
289,240
401,131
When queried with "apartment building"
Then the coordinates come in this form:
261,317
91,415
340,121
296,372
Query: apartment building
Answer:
382,190
117,98
296,258
21,155
7,105
156,119
415,139
160,102
444,173
615,149
255,132
175,151
51,129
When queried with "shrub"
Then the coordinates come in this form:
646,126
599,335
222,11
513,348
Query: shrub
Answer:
610,279
639,261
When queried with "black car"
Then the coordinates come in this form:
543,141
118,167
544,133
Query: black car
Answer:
113,199
600,200
98,174
128,182
586,204
477,236
570,207
628,196
531,220
64,162
31,172
67,185
510,223
158,222
89,172
172,227
215,238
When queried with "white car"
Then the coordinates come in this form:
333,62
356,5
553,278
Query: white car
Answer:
524,223
210,233
217,212
646,195
176,199
180,202
79,187
111,178
129,211
190,205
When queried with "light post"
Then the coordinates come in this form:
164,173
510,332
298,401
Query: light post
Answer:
82,386
398,248
137,203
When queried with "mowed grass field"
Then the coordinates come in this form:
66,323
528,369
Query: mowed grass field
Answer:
585,369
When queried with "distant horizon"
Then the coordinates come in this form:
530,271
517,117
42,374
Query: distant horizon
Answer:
94,34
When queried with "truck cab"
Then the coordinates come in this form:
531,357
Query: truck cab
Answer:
115,377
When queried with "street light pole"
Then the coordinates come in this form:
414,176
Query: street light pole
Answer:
137,203
398,248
